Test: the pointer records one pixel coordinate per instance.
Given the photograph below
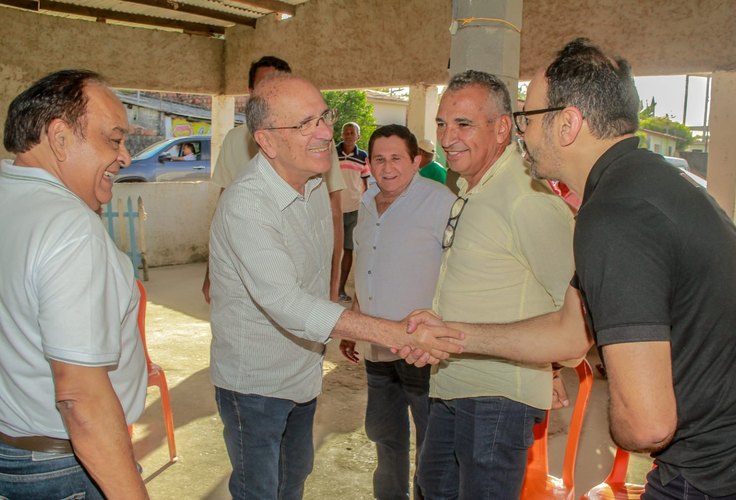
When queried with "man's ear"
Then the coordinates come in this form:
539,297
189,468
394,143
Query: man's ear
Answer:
503,129
59,134
417,161
571,123
266,142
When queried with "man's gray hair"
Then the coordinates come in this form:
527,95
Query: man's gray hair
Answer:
257,109
257,113
355,126
498,93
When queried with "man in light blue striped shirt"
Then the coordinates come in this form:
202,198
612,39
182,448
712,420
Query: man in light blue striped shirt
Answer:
270,255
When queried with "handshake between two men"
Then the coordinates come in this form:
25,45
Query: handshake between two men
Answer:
425,339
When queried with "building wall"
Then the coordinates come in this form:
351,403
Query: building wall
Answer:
342,44
134,58
387,112
396,43
175,232
658,37
35,45
662,145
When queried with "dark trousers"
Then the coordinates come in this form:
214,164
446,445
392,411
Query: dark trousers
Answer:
393,388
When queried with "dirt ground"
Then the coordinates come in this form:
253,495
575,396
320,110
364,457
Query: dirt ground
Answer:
178,339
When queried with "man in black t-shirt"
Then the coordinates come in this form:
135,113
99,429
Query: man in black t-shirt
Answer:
655,276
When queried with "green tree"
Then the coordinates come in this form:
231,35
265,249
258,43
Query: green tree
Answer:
521,91
648,109
664,124
351,106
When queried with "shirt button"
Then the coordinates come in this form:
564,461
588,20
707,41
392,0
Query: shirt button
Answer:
378,223
370,298
369,272
374,248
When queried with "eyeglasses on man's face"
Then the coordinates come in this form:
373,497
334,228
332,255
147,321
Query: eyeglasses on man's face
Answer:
309,125
521,121
456,210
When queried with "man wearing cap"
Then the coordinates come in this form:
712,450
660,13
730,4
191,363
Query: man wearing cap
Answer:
428,167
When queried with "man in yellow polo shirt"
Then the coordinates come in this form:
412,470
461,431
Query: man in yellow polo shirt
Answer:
508,256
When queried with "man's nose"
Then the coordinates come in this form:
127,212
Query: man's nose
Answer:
323,130
124,156
446,136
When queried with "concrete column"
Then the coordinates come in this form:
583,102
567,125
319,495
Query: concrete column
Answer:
490,41
721,153
223,119
422,111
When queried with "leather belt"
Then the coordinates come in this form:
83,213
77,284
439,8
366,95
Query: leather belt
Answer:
38,443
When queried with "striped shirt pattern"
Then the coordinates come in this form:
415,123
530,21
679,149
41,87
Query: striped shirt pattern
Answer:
270,257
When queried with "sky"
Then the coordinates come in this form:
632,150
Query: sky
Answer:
669,92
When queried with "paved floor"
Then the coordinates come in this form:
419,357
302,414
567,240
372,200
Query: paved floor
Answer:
178,339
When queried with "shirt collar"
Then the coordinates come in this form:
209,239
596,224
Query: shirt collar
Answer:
354,152
282,191
495,167
37,174
601,165
369,196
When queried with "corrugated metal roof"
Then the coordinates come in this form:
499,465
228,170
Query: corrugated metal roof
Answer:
170,107
209,17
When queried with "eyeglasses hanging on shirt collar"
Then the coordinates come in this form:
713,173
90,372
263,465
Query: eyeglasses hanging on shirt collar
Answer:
456,210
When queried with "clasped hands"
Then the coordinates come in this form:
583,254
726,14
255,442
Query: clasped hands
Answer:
428,340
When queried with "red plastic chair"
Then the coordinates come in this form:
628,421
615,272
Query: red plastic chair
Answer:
156,377
538,484
615,485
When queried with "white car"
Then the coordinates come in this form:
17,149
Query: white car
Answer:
684,166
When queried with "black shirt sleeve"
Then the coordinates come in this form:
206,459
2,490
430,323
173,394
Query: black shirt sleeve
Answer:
625,269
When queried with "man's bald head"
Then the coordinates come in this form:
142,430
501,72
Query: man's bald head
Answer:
274,88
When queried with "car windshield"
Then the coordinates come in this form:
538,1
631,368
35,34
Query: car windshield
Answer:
154,149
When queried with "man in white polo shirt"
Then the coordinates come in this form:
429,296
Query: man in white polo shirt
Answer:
72,369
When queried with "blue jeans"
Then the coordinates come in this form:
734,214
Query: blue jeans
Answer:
677,489
269,442
393,388
33,474
476,448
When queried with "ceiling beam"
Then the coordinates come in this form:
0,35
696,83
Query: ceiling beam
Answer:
104,14
21,4
199,11
272,5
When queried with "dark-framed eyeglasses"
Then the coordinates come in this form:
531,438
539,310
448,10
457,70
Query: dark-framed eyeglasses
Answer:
521,121
455,211
307,126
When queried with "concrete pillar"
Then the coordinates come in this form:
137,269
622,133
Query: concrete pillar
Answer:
721,153
486,36
490,41
422,111
223,119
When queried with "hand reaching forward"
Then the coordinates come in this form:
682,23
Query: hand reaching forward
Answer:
425,323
